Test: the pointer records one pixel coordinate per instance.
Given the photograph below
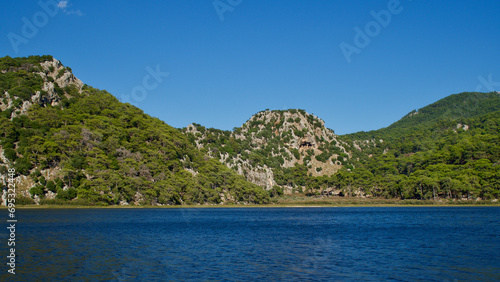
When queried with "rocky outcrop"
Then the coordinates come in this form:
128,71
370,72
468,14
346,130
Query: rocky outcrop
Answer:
61,75
291,137
55,76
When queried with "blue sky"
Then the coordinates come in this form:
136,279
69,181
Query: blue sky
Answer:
228,59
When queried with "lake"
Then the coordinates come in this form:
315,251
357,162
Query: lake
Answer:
235,244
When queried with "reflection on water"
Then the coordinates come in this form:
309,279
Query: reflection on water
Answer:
262,243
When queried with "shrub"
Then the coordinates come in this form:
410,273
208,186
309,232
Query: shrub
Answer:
16,103
66,195
37,190
61,202
298,133
60,73
10,154
22,200
276,191
23,165
22,92
51,186
42,180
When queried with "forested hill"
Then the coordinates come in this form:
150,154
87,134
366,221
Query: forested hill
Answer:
449,149
286,151
454,108
71,143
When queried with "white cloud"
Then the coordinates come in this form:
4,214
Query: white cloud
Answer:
62,4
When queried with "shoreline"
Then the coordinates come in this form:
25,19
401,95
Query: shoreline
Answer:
287,201
298,205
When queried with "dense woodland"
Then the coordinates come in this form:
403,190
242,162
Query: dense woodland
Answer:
449,149
106,152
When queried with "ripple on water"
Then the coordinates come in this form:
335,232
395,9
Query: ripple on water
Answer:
321,244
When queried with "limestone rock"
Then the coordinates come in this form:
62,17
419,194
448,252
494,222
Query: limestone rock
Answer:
293,131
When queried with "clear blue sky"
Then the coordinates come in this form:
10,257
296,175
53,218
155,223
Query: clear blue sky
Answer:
229,61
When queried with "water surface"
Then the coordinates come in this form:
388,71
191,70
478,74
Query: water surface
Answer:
383,243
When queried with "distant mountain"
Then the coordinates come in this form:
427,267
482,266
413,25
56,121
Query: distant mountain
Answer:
435,152
273,146
73,144
454,108
449,149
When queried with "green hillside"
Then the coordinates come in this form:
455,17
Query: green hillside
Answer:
449,149
73,144
454,108
278,150
70,143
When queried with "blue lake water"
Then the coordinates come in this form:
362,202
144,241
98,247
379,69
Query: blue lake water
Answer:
235,244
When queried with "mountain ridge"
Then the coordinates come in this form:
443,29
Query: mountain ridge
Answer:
417,133
71,143
272,140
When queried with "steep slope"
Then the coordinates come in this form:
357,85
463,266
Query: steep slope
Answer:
454,108
449,149
271,144
72,143
418,130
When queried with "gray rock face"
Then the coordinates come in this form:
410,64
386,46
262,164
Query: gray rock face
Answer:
54,75
260,175
293,136
60,76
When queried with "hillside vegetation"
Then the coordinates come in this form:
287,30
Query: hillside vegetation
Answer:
70,141
73,144
449,149
282,151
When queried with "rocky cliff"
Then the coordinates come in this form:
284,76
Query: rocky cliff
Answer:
55,77
70,143
274,140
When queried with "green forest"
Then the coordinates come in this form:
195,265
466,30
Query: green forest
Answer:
85,147
105,151
449,149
